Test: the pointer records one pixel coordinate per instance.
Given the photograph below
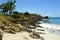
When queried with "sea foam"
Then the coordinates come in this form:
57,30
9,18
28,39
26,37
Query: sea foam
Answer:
51,26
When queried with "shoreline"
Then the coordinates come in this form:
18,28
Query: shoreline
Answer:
25,35
51,26
55,29
50,36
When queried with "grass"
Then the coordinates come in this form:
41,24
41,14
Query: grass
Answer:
24,20
6,21
2,18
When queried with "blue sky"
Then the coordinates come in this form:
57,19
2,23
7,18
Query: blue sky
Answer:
43,7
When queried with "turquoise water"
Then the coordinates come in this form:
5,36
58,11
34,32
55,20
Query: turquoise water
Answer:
54,20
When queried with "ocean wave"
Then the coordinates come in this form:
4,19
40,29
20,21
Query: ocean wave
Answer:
48,25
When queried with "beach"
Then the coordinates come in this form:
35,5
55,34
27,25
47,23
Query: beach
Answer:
25,36
29,20
18,36
49,34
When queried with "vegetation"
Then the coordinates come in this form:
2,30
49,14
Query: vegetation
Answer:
8,6
8,22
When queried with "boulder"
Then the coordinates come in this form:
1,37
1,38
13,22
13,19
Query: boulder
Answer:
35,36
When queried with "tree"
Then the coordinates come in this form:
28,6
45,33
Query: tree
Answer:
8,6
16,12
46,17
26,13
3,7
16,15
11,5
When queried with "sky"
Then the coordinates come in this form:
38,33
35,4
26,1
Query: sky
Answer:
43,7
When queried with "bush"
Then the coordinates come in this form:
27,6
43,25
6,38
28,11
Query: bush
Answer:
16,12
26,13
15,16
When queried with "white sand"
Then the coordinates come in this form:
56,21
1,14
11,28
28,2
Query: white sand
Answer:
18,36
50,36
25,35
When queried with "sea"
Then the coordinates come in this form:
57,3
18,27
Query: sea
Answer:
53,25
54,20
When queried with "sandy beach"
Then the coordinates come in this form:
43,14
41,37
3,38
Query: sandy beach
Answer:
18,36
25,35
50,36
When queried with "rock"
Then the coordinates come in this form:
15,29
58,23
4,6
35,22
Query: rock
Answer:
15,28
34,32
29,30
39,26
40,30
1,35
32,27
7,30
13,32
35,36
46,17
